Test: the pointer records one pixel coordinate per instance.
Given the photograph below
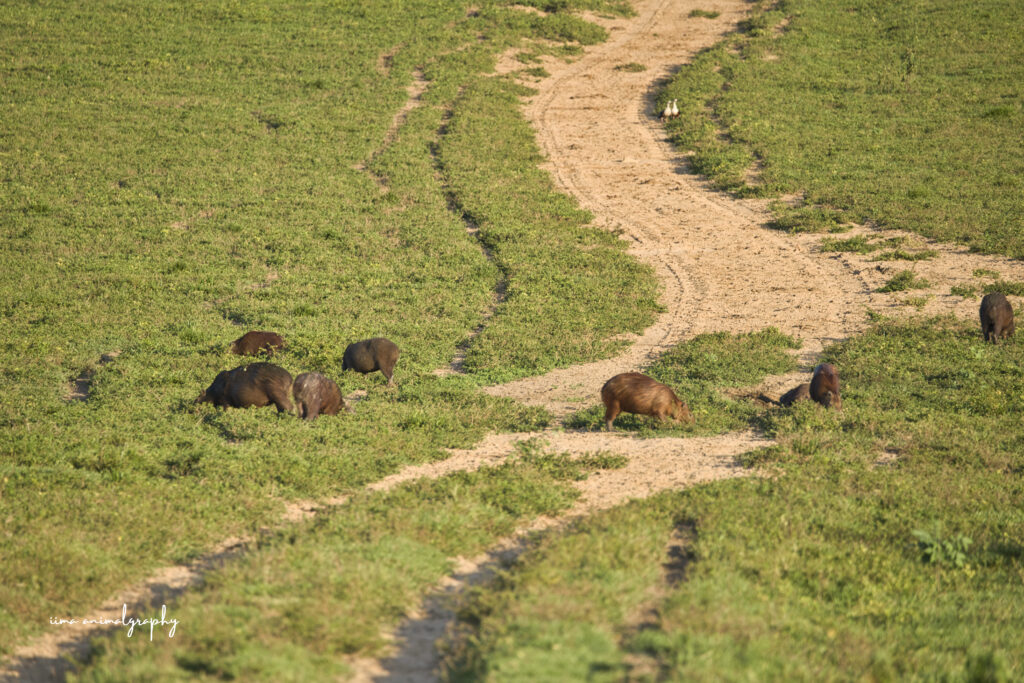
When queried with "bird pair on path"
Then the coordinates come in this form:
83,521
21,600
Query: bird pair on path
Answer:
671,110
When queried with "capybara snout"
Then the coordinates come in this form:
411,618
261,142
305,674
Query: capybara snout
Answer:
824,388
256,384
315,395
253,343
632,392
372,354
996,317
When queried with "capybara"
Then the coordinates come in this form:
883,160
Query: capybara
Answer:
632,392
824,387
256,384
996,317
801,392
372,354
253,343
316,395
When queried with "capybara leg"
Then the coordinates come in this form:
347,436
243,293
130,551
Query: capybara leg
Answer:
610,413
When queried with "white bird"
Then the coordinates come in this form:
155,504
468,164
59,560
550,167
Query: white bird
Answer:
668,111
675,109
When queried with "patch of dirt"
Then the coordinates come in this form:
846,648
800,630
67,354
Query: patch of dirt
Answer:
78,388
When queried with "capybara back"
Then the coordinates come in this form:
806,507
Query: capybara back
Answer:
633,392
824,388
253,343
256,384
315,395
372,354
996,317
801,392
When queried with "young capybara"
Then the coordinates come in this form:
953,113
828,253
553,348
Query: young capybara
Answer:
996,317
253,343
256,384
372,354
632,392
315,395
801,392
824,388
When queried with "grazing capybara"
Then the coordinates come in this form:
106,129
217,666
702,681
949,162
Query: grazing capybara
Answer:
824,388
801,392
996,317
253,343
316,395
256,384
372,354
632,392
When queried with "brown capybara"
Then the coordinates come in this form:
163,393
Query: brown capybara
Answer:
824,387
801,392
996,317
253,343
315,395
632,392
372,354
256,384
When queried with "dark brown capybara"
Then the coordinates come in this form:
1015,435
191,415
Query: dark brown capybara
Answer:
801,392
315,395
372,354
996,317
256,384
824,388
632,392
253,343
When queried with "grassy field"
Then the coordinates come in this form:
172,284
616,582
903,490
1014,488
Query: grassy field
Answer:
292,609
885,544
172,175
905,115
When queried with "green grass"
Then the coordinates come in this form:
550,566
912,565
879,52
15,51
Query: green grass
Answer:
697,370
902,114
172,176
703,13
293,607
903,280
632,67
886,543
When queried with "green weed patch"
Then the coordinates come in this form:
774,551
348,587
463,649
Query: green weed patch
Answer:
902,114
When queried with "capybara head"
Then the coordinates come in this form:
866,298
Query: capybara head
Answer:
824,387
256,342
215,391
682,413
996,317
